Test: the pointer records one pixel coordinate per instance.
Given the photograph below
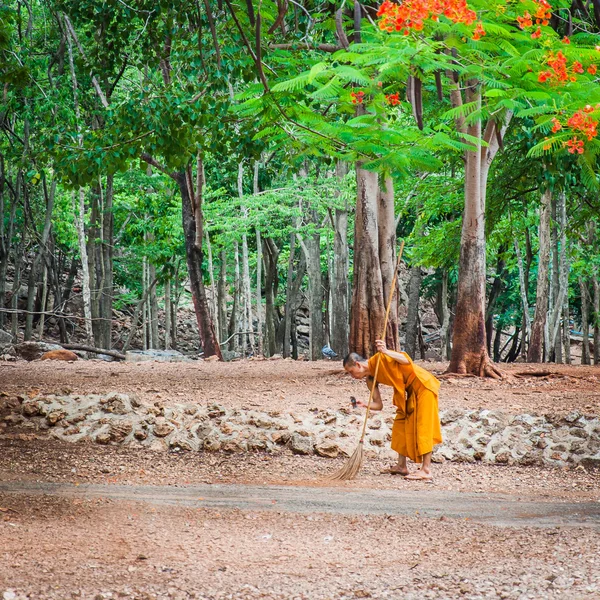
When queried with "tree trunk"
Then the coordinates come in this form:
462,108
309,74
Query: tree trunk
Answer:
167,313
446,346
585,322
367,313
38,261
85,274
554,346
339,274
288,309
386,226
495,292
236,323
247,320
222,296
469,348
271,256
524,300
44,302
153,309
535,353
6,236
315,295
596,284
192,219
214,312
412,317
259,317
564,278
106,299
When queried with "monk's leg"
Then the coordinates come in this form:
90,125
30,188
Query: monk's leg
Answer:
424,473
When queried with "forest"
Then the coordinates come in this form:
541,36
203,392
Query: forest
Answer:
261,164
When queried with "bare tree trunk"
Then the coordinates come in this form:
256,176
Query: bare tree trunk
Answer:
222,297
44,302
85,274
289,309
16,286
153,309
367,312
237,314
469,349
340,306
596,285
445,320
386,227
107,293
6,236
271,256
312,249
247,319
564,278
168,313
585,322
524,300
192,226
554,344
535,353
213,291
39,258
412,317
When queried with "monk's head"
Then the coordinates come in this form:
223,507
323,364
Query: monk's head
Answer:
356,365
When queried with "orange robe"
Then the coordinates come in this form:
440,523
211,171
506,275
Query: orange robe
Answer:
416,427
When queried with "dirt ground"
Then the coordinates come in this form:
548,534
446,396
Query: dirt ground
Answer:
58,548
299,386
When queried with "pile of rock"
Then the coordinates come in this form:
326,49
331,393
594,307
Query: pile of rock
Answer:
469,435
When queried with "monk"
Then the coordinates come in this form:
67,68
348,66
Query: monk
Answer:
416,427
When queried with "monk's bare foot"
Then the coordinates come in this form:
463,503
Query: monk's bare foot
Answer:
419,476
394,471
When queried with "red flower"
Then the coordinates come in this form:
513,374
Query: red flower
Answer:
556,125
479,31
536,34
357,97
525,21
577,67
592,69
393,99
566,40
574,145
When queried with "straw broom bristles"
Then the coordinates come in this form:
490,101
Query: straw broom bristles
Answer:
354,463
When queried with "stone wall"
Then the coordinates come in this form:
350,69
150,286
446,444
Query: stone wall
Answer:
469,435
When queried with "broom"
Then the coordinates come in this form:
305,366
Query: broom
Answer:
353,464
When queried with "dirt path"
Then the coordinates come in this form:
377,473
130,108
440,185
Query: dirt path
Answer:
492,509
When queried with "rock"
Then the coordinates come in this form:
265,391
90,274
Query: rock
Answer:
117,404
280,437
212,444
327,449
450,415
157,355
301,444
375,423
140,434
119,430
30,409
103,438
5,340
63,354
183,442
163,429
34,350
55,416
573,416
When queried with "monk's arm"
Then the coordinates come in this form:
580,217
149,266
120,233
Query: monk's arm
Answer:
397,356
377,402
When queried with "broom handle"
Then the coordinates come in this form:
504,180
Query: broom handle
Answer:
387,315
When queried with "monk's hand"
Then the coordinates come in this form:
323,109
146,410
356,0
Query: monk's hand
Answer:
381,346
361,404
